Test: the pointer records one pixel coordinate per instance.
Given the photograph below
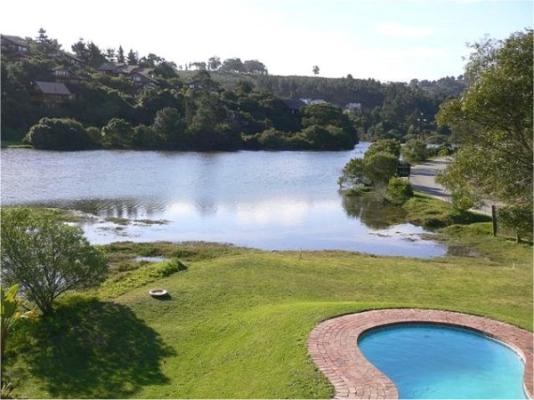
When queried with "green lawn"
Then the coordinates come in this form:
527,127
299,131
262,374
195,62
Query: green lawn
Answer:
237,321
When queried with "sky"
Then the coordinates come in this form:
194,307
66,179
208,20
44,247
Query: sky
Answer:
388,40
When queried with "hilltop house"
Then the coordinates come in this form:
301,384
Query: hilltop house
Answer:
353,107
310,102
294,105
69,59
110,68
14,44
144,78
140,77
65,75
51,93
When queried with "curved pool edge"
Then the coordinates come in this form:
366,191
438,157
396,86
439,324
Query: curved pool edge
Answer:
333,347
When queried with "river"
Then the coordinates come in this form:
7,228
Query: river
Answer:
267,200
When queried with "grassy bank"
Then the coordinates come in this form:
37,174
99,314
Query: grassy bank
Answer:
433,213
237,321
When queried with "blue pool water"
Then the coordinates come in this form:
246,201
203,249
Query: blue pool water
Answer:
434,361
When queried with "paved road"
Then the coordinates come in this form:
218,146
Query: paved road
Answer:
423,179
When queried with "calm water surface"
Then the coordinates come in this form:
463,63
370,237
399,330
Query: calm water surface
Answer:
430,361
268,200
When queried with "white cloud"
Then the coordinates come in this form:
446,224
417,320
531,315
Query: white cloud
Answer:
399,30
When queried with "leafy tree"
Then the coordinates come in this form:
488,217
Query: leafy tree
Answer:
120,55
96,104
166,70
415,150
170,124
380,167
45,44
151,60
46,257
42,37
391,146
201,82
316,70
80,49
328,137
59,134
254,67
209,126
151,101
353,175
517,218
232,65
132,58
214,63
270,139
199,65
493,123
94,55
110,54
244,88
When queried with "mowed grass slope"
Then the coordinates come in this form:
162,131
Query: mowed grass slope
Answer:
237,323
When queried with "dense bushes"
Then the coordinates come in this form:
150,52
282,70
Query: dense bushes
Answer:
398,191
60,134
375,170
203,121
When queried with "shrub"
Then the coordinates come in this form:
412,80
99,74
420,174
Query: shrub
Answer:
517,218
398,191
444,150
170,267
94,133
146,137
353,175
59,134
118,133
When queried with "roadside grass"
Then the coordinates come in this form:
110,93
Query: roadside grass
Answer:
237,321
433,213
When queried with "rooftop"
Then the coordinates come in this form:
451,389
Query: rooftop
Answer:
17,40
54,88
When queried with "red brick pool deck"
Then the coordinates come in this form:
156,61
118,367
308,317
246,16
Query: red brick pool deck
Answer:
332,346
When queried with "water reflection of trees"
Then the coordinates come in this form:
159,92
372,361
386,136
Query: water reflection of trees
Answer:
373,210
120,208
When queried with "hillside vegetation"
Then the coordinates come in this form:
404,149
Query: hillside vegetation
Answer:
110,100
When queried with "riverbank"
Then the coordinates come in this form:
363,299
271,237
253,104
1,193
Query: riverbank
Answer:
237,320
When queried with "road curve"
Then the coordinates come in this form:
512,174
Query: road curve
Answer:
423,179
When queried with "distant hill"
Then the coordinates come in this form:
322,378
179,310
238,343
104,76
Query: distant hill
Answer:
240,100
339,91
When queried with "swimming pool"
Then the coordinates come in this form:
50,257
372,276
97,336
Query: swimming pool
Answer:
436,361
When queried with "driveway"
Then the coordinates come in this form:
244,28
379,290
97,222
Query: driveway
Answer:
423,179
